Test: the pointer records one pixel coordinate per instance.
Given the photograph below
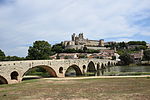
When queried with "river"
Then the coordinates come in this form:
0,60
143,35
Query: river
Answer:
128,70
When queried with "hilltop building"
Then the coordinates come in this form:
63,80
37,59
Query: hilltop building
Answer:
79,42
148,45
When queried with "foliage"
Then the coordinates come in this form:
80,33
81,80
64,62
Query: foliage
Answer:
13,58
9,58
57,56
113,57
126,59
58,48
120,52
122,45
66,57
69,51
2,55
82,56
140,48
147,55
92,51
84,49
39,50
137,43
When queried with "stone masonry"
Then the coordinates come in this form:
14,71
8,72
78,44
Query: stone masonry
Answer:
13,71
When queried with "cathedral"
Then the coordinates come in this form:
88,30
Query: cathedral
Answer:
78,42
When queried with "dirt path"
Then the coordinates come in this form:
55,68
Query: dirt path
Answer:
92,77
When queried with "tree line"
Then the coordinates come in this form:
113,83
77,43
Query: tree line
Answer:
43,50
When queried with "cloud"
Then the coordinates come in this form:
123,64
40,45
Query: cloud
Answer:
24,21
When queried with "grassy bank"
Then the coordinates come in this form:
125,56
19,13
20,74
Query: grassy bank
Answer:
85,89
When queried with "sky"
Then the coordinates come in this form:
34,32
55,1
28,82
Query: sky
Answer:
24,21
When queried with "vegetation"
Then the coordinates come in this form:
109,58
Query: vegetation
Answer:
9,58
39,50
137,43
126,59
14,58
147,55
2,55
82,56
58,48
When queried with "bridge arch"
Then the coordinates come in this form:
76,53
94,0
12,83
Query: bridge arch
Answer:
102,66
76,68
3,80
84,69
49,69
109,64
98,69
98,66
91,68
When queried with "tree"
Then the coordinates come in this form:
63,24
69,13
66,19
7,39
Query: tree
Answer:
2,55
147,55
82,56
113,58
70,50
126,59
137,43
13,58
39,50
122,45
84,48
57,48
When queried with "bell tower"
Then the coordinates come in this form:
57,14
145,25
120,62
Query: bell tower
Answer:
73,37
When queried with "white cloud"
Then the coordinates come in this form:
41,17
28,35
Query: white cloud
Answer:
25,21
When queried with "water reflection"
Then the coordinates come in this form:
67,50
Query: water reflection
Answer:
122,69
130,68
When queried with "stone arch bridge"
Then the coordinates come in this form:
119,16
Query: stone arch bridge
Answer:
13,71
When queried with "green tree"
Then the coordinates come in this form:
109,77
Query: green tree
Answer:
2,55
57,48
14,58
70,51
39,50
126,59
113,57
85,49
137,43
147,55
122,45
82,56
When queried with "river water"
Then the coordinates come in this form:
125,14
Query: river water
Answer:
128,70
117,71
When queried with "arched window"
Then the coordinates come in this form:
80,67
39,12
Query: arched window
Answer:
14,75
61,70
84,67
